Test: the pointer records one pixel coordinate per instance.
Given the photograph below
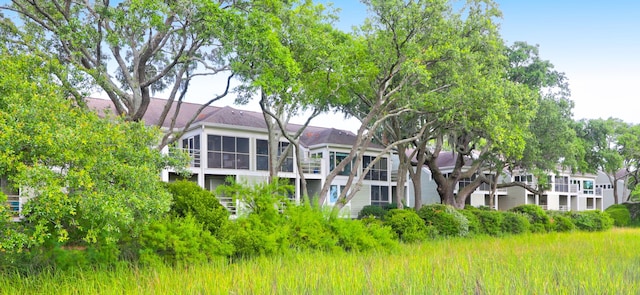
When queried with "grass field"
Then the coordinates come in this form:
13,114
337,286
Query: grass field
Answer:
574,263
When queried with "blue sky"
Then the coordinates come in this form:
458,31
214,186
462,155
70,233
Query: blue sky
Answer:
595,43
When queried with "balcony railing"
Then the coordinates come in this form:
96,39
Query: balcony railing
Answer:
311,165
487,188
194,155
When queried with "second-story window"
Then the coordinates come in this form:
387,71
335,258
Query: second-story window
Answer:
466,181
262,156
227,152
191,145
334,160
588,187
379,169
524,178
561,184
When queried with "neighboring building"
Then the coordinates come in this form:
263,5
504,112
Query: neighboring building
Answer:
567,192
446,162
603,183
226,142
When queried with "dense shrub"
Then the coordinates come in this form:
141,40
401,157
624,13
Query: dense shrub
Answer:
180,239
593,220
538,218
561,221
372,211
620,214
515,223
474,223
634,210
308,228
490,222
353,235
446,219
190,198
383,235
407,225
255,236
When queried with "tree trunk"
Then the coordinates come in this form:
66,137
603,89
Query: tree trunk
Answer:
403,166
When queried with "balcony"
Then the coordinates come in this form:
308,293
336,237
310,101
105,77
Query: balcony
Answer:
311,165
194,155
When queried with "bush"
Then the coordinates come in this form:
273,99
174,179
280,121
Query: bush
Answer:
308,228
180,239
593,220
254,236
190,198
446,219
490,222
407,225
475,228
383,235
634,210
353,235
538,218
562,223
515,223
620,214
372,211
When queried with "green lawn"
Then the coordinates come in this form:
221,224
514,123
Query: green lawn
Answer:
575,263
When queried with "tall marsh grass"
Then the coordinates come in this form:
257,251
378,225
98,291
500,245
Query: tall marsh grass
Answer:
556,263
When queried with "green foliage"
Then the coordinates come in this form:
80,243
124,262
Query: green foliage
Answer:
561,222
475,227
190,198
634,210
620,214
92,179
446,219
490,222
407,225
515,223
179,240
353,235
538,218
308,228
372,211
593,220
261,230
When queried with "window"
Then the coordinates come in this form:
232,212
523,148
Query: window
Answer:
524,178
334,193
227,152
334,160
262,156
487,186
378,171
191,145
588,187
562,184
466,181
379,195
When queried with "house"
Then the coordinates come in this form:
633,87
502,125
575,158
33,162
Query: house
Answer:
446,162
567,192
226,142
603,183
